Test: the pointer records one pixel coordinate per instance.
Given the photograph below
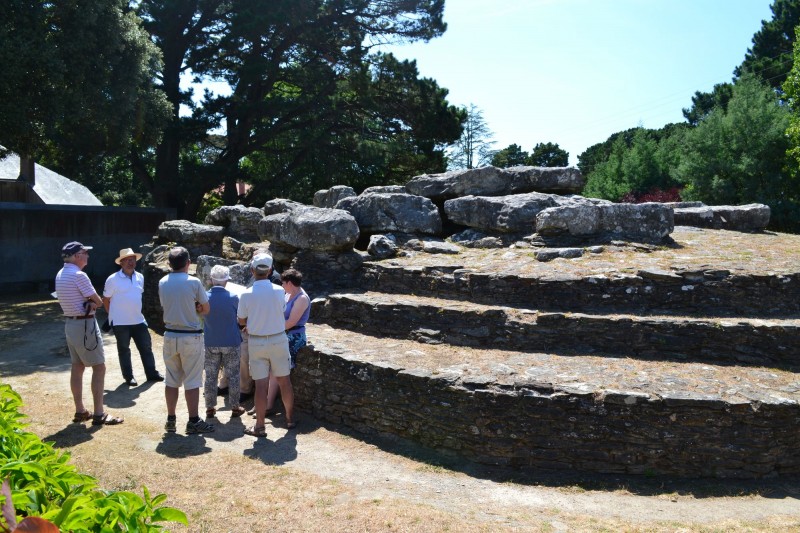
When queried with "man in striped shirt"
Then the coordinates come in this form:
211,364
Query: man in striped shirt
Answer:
79,301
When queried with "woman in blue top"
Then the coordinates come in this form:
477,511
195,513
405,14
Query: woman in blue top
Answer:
298,307
296,311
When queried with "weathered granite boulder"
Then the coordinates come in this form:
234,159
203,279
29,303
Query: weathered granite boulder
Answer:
239,270
570,219
242,251
282,205
493,181
750,217
381,247
513,213
155,254
310,228
648,221
382,212
240,222
199,239
328,197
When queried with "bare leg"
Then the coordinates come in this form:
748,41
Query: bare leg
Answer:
261,401
171,395
76,385
272,391
287,395
192,401
98,381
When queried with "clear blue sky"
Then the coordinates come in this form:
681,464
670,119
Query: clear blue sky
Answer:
573,72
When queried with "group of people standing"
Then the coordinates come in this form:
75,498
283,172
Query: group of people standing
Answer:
251,333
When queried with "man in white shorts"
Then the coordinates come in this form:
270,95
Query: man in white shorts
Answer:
261,312
184,299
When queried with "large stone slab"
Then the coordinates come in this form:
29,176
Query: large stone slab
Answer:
310,228
514,213
506,214
199,239
750,217
493,181
240,222
648,221
388,212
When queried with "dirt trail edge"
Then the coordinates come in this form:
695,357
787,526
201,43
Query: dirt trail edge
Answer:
33,361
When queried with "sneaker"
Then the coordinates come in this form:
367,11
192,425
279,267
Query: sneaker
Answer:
169,427
201,426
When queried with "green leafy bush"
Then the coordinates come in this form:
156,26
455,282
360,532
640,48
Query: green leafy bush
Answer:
44,484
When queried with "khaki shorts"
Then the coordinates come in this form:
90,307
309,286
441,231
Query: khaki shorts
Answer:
84,342
269,353
184,358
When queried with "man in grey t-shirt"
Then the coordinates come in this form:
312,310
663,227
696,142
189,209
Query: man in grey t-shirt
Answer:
184,299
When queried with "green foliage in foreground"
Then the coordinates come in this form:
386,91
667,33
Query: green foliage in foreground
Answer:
44,484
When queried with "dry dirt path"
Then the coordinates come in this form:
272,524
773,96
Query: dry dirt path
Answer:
323,477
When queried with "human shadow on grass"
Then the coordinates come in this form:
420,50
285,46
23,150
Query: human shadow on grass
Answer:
179,446
124,396
279,452
72,435
226,429
646,485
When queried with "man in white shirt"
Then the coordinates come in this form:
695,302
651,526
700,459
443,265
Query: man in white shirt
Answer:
122,298
261,312
79,301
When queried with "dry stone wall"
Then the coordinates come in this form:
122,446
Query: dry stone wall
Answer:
530,425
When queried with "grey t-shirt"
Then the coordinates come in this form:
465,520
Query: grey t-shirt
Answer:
178,293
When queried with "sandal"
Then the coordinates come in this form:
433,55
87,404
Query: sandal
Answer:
290,424
82,417
256,431
106,420
211,412
237,411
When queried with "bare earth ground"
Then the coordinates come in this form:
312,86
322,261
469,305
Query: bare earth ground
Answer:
323,477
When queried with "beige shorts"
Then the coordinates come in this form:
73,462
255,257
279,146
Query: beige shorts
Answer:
269,354
84,342
184,358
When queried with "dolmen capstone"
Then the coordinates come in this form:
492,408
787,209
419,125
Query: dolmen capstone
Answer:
378,212
750,217
308,228
512,213
199,239
238,221
648,221
493,181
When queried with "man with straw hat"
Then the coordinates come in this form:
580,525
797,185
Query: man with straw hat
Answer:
122,298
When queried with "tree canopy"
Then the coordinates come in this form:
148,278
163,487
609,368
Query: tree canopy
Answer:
738,155
770,57
548,155
77,75
511,156
309,101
